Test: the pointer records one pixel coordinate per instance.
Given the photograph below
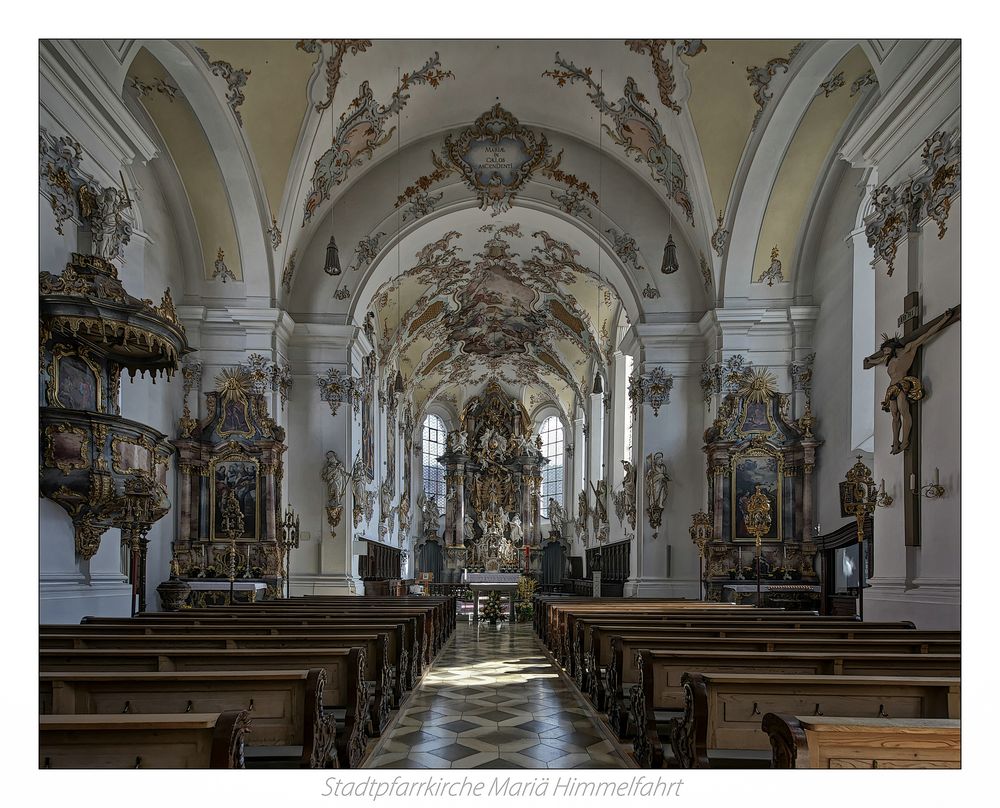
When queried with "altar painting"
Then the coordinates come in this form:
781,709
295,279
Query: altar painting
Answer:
240,476
749,471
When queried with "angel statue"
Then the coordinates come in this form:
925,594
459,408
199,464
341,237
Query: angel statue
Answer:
557,516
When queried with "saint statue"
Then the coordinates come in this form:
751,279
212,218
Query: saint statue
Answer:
335,476
557,516
109,229
898,356
432,516
656,481
516,531
600,511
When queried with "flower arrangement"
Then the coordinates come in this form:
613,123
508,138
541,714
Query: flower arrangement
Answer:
493,609
525,592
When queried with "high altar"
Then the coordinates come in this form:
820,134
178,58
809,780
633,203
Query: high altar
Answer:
493,478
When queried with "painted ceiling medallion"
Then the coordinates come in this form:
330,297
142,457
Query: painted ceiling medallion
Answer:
496,156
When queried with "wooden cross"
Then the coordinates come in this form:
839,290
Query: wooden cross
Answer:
902,358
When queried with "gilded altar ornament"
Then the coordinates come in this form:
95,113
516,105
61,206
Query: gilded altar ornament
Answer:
655,489
701,534
860,501
757,517
233,526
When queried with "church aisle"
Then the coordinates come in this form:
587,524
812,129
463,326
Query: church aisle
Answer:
493,700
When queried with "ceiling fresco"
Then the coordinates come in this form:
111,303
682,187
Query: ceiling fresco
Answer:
497,304
509,125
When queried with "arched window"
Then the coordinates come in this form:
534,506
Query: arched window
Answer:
434,441
552,472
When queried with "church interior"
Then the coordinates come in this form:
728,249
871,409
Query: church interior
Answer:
499,404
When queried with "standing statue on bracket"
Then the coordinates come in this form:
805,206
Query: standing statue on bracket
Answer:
335,476
557,516
432,517
582,512
600,512
898,356
110,231
655,489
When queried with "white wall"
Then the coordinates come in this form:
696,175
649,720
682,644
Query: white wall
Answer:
833,370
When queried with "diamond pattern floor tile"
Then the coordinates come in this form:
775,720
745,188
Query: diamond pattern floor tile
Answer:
493,700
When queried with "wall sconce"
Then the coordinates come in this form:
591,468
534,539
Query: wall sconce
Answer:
932,490
883,500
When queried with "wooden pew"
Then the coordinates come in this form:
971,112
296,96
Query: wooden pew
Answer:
805,742
288,726
345,669
238,635
722,711
584,657
190,741
375,646
622,673
307,616
660,672
258,625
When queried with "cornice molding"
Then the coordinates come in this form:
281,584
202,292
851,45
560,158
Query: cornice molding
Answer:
926,82
86,92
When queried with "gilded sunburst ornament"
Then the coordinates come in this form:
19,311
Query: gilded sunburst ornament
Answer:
234,380
759,385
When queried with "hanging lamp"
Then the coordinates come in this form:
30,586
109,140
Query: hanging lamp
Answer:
332,264
397,385
598,381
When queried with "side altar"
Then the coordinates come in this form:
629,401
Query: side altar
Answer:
231,458
760,467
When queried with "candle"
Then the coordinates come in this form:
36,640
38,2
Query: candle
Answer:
937,481
913,482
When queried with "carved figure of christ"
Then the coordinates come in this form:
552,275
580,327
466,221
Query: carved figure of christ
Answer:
899,355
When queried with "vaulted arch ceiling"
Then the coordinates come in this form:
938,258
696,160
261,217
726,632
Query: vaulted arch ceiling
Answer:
637,139
520,299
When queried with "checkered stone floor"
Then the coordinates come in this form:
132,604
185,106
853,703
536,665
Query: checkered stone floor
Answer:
493,700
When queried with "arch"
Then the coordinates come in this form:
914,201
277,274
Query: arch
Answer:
243,187
786,112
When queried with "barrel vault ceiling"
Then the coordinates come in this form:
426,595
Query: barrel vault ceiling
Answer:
630,141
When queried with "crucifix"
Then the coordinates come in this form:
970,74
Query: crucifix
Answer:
901,357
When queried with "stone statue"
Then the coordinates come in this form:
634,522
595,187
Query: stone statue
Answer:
582,512
363,498
516,531
655,488
432,517
557,516
898,355
600,512
470,525
461,442
629,483
109,229
335,476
